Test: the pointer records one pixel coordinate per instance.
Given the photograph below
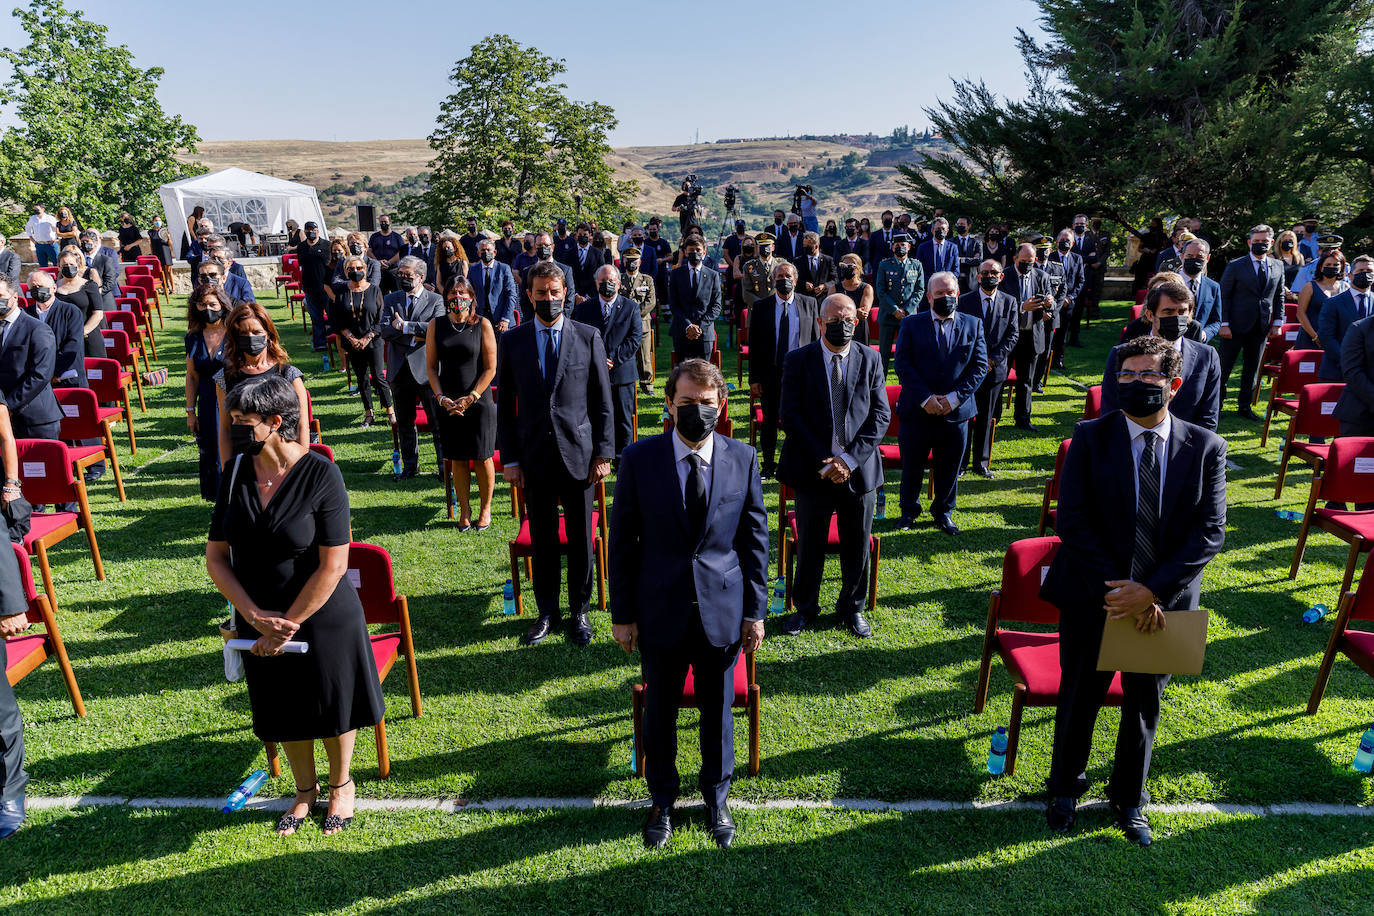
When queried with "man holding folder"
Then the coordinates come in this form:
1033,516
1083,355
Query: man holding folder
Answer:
1142,509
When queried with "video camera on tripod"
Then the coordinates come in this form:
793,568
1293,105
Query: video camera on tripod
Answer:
801,190
731,197
691,187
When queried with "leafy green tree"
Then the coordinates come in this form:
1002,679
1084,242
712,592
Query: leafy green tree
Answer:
88,131
1201,107
510,144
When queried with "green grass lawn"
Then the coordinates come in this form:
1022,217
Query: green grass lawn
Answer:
890,718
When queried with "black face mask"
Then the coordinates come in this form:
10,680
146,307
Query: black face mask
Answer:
1140,398
939,235
407,284
1171,327
695,421
242,441
848,271
355,248
1080,229
784,286
70,270
386,227
1362,280
1023,268
424,240
887,224
545,252
810,250
988,283
252,344
356,275
210,281
1192,266
312,235
1259,249
766,252
88,247
40,293
850,231
487,256
899,250
548,309
210,316
632,265
472,228
637,242
943,305
653,233
1331,273
839,333
607,289
1286,245
962,230
583,240
507,231
694,258
1064,246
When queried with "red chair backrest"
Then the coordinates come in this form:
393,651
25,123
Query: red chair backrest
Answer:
50,271
1296,369
117,345
45,471
145,283
1092,406
1023,569
132,305
873,324
136,291
1058,467
1140,296
80,414
137,270
1363,608
1348,476
320,448
743,327
894,394
369,569
1290,313
1316,410
153,263
103,376
310,407
122,320
1136,310
1277,346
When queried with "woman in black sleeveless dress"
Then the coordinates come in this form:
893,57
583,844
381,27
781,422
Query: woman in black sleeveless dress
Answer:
851,269
460,350
356,316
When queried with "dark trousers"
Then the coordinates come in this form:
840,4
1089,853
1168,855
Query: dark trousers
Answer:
916,438
407,392
545,489
701,348
624,404
1250,347
768,431
207,445
367,363
1082,690
713,674
13,779
23,429
988,399
1073,324
887,337
316,305
1025,359
854,519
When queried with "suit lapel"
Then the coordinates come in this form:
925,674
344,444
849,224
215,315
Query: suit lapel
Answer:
1179,448
564,340
720,457
669,474
1124,472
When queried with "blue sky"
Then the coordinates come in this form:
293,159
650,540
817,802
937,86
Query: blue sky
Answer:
352,70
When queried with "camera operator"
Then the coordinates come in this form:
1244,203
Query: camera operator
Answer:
685,204
804,205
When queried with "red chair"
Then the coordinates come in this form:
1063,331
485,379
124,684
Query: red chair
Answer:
891,452
1274,348
320,448
1296,369
1347,477
746,697
311,419
134,307
295,293
1356,645
286,275
141,294
51,271
150,297
1314,418
28,650
1092,405
1049,513
743,347
369,569
128,323
1137,309
787,539
154,265
118,348
46,478
111,386
522,547
84,418
1031,658
1140,296
1290,313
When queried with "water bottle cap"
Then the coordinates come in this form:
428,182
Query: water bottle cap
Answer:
1001,729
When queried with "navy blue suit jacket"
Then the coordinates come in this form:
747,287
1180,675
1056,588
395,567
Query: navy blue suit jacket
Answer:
924,372
1001,329
657,571
1096,520
1198,400
1246,300
1207,309
26,370
1337,315
702,309
621,333
503,296
932,261
810,427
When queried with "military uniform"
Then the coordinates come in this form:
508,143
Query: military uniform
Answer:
899,284
758,272
639,289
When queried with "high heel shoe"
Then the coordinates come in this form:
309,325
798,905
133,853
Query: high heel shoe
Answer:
288,823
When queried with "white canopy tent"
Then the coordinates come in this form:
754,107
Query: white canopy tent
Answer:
232,195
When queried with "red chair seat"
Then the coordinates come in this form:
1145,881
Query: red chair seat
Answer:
85,451
18,648
744,350
1359,644
525,541
1312,451
1035,658
689,688
891,454
107,413
832,537
1051,518
1286,405
385,649
45,523
1356,522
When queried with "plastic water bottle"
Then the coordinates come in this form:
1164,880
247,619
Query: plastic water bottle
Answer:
880,507
1314,613
326,362
240,796
634,761
508,597
1364,757
729,386
396,462
778,603
1288,515
453,503
997,754
665,416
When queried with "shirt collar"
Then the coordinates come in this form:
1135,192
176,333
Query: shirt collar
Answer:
842,354
681,449
1162,430
556,326
1176,344
785,303
605,303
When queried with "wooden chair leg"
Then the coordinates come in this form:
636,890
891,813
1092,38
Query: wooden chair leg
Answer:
789,556
637,717
128,409
45,573
600,573
1283,464
529,568
1268,417
515,582
144,351
1314,701
84,513
1351,561
383,758
754,729
874,551
1299,548
1018,705
108,436
63,662
273,761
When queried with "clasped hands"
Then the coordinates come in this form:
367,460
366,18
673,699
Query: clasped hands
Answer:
693,332
834,470
937,405
277,630
1131,599
13,625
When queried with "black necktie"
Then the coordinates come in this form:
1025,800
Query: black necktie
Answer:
695,497
1362,304
1146,510
838,408
1260,271
550,359
486,289
694,281
940,342
784,335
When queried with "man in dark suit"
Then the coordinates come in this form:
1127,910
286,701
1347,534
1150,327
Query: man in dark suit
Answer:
9,264
790,239
1340,313
850,243
1355,409
831,460
689,567
970,250
554,427
1142,510
999,313
941,360
424,250
880,242
778,324
1030,287
1198,398
694,298
105,267
1069,316
1206,291
406,315
28,355
67,326
544,251
585,260
618,321
938,253
494,285
815,271
1251,312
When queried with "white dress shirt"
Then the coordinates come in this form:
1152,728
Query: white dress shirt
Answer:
1162,431
681,450
42,229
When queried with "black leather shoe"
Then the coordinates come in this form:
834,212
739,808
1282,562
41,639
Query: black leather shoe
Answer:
1026,425
1133,823
767,471
11,818
1061,813
658,829
907,522
580,632
859,626
407,474
793,624
947,526
1057,364
1245,413
1037,389
646,388
722,825
537,633
983,472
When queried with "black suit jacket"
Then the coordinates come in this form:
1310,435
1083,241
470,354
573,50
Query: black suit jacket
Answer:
656,569
1000,328
700,309
879,249
788,248
9,267
1034,329
844,246
577,412
621,332
1096,520
68,328
108,269
806,418
825,269
27,358
764,367
1356,405
1246,301
584,275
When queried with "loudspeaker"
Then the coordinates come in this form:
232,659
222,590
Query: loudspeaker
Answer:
367,216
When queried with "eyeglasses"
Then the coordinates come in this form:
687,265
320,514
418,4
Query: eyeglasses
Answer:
1126,376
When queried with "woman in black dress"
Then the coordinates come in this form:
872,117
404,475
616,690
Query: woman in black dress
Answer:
852,284
278,551
252,350
460,350
206,310
68,229
130,239
80,285
356,317
1152,243
450,262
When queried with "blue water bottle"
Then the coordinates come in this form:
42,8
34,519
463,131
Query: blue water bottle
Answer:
1364,757
778,603
508,597
1288,515
244,792
1314,613
326,362
997,754
396,462
880,507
